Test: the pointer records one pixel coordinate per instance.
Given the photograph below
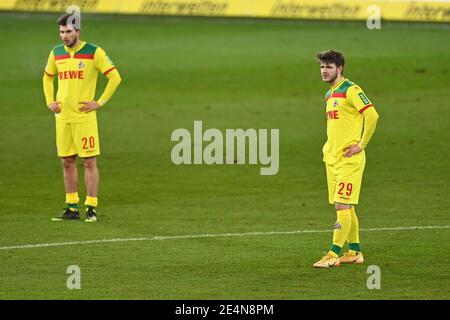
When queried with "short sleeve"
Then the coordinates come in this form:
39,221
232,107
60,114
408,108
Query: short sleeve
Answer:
50,68
358,99
102,62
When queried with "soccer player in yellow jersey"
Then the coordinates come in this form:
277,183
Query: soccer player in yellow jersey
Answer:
351,122
76,65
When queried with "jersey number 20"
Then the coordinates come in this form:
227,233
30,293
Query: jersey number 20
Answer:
85,143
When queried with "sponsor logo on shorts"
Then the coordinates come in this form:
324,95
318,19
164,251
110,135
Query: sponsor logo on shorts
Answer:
337,225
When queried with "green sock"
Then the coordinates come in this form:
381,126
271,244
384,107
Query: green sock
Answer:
73,207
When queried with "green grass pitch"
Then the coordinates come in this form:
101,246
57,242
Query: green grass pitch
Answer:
229,74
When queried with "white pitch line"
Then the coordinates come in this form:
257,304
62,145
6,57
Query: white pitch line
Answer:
198,236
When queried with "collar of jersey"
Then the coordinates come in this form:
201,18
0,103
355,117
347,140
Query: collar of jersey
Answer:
77,48
337,85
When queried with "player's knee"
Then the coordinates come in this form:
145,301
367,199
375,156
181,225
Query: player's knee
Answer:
90,163
342,206
69,162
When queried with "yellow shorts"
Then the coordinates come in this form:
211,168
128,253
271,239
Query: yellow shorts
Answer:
77,138
344,179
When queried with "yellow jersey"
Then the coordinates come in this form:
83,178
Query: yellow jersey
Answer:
345,104
77,71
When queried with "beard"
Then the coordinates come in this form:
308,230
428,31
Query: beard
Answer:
332,78
71,44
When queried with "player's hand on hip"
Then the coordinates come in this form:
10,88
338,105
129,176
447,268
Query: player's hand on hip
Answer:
88,106
55,106
351,150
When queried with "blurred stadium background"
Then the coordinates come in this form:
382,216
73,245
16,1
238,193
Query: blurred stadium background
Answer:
231,64
395,10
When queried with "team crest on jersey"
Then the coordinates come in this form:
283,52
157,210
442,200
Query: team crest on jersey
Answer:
336,103
337,225
81,65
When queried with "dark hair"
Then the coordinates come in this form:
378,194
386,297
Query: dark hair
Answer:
62,21
331,56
